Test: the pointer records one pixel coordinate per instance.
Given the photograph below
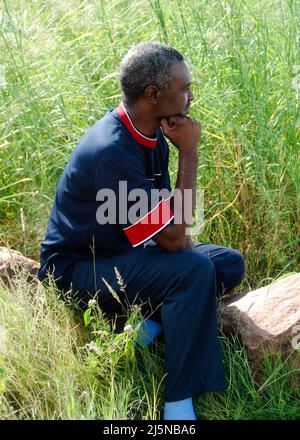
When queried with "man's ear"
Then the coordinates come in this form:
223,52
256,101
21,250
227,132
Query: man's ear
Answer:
151,94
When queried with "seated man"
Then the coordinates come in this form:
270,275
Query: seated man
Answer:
94,228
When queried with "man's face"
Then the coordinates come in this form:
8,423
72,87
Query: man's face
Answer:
176,99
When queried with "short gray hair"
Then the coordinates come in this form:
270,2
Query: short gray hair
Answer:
146,64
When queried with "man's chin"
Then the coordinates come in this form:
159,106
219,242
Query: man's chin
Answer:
182,114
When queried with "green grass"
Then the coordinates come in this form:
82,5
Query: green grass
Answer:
60,61
56,365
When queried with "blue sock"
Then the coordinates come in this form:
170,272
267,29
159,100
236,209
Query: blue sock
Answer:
148,331
180,410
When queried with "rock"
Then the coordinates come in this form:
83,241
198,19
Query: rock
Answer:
266,318
12,262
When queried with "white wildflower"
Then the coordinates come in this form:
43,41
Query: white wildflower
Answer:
84,395
101,333
91,346
92,302
128,328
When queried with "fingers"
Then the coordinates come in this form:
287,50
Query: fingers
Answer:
173,122
164,124
170,124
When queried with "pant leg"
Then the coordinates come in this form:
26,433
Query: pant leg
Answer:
184,285
229,265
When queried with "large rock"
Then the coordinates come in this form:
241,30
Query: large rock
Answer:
266,318
12,262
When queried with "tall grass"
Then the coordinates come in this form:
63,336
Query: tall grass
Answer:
59,63
56,365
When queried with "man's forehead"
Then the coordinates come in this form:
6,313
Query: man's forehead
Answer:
181,73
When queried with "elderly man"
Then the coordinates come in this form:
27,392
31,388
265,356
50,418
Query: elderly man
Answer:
175,280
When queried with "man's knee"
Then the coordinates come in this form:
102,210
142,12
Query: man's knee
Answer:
194,261
232,273
197,265
239,265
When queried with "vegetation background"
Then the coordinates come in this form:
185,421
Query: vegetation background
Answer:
58,75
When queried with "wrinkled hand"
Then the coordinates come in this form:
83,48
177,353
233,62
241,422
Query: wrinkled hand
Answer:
183,132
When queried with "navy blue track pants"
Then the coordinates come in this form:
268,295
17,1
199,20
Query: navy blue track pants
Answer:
179,290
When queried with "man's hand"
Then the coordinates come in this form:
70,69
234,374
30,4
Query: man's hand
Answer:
184,133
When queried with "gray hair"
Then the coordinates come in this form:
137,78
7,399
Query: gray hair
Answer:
146,64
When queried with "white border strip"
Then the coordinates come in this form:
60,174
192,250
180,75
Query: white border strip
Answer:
145,137
154,233
134,224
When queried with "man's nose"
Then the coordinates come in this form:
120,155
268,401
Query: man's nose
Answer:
191,96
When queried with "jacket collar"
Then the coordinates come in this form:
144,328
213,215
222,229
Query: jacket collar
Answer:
138,136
